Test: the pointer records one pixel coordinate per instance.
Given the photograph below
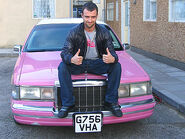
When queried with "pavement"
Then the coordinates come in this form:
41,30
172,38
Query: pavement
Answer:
168,82
7,52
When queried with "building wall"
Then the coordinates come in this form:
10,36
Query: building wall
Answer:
100,10
115,25
160,37
16,20
100,4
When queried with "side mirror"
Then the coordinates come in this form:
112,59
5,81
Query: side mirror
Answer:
17,49
126,46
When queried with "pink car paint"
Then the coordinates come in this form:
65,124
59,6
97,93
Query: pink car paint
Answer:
41,69
32,69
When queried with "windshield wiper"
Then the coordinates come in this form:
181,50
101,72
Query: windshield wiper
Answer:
42,50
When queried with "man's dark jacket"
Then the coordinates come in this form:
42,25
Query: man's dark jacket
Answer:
76,39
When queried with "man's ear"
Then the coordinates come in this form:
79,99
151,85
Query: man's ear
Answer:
81,14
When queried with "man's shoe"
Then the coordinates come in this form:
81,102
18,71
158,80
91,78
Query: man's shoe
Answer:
114,108
64,111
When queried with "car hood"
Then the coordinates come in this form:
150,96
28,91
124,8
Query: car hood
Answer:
41,68
131,70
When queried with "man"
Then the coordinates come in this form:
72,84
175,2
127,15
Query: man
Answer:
89,48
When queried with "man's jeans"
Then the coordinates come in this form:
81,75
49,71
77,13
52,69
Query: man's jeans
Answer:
89,66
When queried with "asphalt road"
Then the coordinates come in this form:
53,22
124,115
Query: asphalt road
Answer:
164,123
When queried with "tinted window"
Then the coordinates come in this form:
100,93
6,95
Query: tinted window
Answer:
48,37
115,41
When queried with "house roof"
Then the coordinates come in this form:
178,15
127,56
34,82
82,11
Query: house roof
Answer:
64,21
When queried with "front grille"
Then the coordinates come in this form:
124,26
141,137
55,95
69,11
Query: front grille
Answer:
89,98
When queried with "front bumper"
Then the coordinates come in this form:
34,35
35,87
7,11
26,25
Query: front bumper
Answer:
44,113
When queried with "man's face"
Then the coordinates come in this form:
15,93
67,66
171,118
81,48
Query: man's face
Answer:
89,18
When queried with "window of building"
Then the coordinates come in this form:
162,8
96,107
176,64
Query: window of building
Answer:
110,11
150,10
177,10
117,11
96,1
43,8
126,13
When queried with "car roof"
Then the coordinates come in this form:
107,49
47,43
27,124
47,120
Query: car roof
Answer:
65,21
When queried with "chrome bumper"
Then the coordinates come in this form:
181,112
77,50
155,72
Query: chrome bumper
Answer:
55,112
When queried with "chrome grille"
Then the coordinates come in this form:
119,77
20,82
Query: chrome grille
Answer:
87,97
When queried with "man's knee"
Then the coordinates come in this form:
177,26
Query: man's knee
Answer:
115,68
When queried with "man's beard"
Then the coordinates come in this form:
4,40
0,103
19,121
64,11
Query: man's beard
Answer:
89,27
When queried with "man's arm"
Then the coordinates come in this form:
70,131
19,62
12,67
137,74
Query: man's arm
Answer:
108,58
111,56
67,51
76,59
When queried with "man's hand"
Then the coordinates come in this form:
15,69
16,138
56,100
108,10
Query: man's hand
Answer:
108,58
76,59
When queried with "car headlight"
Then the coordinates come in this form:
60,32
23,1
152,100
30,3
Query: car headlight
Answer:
138,89
29,93
15,92
134,89
36,93
47,93
123,91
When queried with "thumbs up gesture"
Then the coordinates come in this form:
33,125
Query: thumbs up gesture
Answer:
76,59
108,58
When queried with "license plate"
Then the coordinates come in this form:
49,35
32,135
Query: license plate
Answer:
87,122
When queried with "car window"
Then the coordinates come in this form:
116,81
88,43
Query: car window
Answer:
116,43
48,37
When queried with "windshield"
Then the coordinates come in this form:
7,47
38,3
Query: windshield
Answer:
51,37
48,37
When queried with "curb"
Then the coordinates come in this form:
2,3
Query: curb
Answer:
170,99
8,53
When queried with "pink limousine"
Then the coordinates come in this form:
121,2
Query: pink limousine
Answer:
36,89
